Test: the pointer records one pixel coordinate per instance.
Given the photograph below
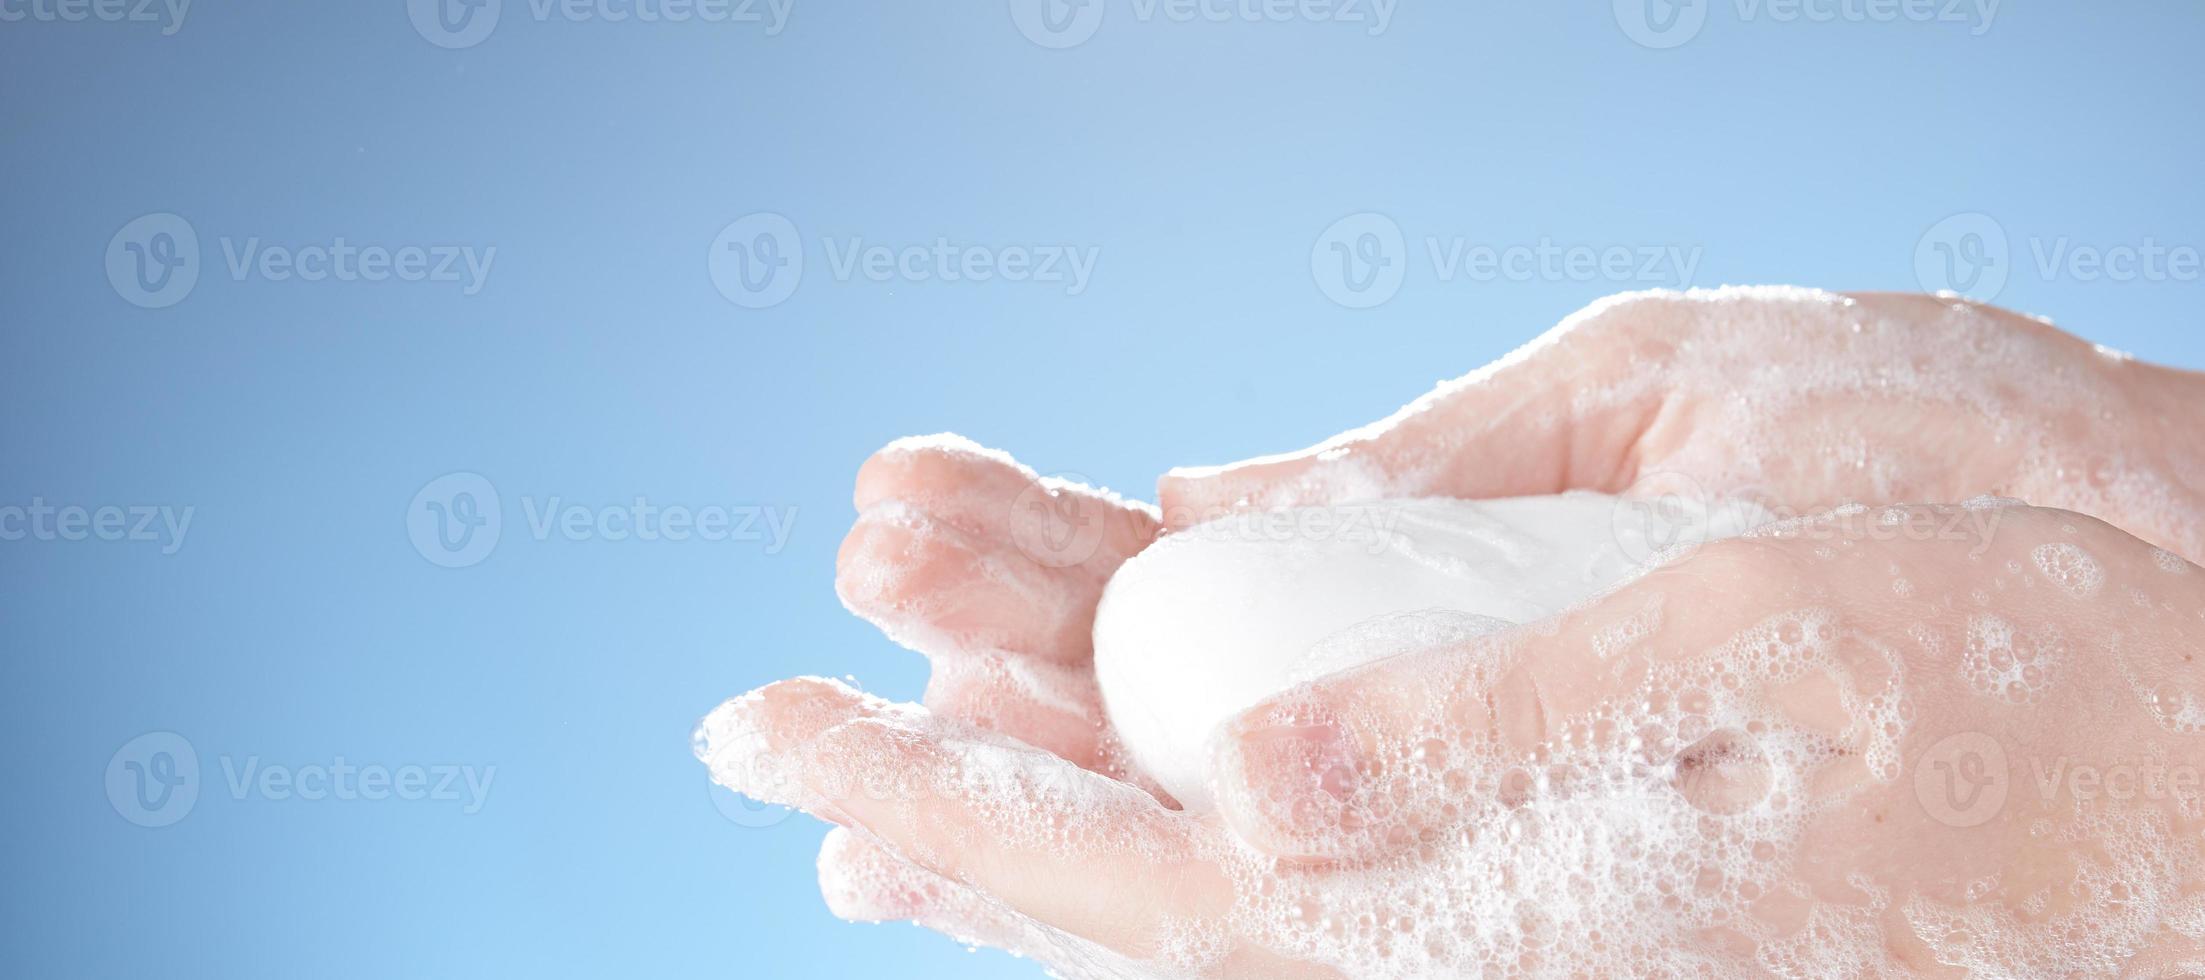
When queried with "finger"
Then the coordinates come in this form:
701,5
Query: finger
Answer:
1053,523
1363,762
863,881
993,573
1052,707
995,815
1563,412
937,588
1660,676
1010,643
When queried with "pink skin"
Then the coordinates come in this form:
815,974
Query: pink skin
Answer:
963,555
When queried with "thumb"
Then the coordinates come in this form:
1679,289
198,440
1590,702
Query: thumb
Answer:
1563,412
1366,761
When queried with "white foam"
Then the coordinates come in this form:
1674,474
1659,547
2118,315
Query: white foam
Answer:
1638,833
2010,665
2071,568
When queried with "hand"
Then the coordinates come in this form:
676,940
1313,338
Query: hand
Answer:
978,585
1804,399
993,572
1791,763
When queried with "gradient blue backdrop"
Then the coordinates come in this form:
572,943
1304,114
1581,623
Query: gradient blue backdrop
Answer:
298,623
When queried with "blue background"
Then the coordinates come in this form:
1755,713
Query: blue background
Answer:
298,623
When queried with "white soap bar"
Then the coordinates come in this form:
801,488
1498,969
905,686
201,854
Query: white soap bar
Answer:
1209,621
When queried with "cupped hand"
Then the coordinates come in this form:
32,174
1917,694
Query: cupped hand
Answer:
993,572
1881,741
1802,398
1798,397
